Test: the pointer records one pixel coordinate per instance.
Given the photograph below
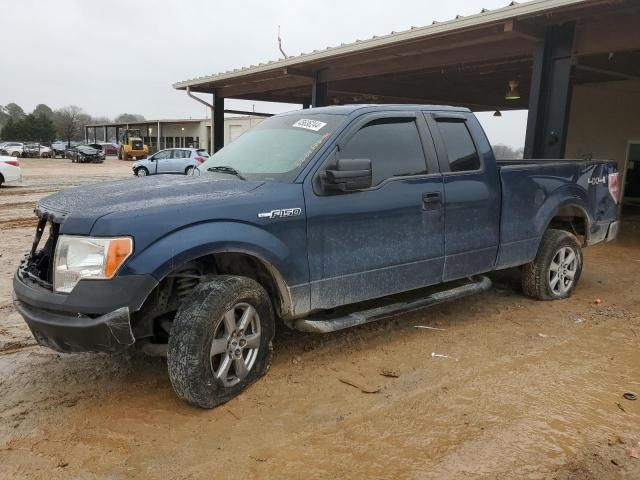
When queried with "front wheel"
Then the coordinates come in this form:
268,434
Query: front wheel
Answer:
220,341
556,270
142,172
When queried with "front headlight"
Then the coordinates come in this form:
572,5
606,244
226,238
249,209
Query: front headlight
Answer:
86,257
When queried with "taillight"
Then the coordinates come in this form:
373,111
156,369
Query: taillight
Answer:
15,163
200,159
614,186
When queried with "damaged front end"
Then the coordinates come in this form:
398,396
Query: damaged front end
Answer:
87,320
109,333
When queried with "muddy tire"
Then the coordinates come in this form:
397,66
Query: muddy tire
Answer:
220,341
555,272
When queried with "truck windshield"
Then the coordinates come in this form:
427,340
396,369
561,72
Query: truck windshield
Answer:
277,149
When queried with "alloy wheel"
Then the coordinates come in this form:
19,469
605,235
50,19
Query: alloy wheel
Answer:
562,270
235,344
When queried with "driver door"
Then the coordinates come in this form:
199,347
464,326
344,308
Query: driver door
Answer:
385,239
162,161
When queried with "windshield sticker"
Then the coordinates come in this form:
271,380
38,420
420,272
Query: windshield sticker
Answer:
314,125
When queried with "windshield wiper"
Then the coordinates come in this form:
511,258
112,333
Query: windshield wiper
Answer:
227,170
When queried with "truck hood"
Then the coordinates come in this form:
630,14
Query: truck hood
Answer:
79,208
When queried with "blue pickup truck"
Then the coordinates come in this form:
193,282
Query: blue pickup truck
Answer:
323,219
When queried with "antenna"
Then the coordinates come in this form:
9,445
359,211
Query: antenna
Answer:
280,44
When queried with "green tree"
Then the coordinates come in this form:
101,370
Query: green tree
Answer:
9,131
14,110
4,116
43,109
129,117
32,128
42,127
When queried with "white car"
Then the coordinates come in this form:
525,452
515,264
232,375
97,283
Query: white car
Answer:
13,149
10,170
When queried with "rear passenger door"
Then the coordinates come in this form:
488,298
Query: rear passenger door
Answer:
471,194
172,161
182,160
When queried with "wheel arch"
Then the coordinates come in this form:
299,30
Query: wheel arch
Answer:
263,259
572,217
241,262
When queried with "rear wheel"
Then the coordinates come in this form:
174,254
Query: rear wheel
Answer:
188,171
556,270
15,154
220,341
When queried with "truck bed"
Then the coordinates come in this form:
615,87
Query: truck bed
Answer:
536,191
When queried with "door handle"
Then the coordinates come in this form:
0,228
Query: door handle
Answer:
431,200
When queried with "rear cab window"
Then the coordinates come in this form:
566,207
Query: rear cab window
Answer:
462,155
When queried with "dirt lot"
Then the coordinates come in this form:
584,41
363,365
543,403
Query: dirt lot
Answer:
532,390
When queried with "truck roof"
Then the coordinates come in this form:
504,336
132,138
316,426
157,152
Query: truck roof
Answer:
348,109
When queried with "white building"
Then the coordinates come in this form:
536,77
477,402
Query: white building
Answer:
173,132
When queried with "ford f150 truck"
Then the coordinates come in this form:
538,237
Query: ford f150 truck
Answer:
324,219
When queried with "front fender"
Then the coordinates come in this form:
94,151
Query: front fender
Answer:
186,244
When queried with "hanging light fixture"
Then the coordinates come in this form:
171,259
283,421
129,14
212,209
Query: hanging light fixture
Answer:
513,93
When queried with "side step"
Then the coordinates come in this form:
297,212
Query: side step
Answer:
371,315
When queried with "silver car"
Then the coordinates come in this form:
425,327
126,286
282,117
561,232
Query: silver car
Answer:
171,160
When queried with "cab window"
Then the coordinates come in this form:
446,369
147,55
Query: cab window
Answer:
392,144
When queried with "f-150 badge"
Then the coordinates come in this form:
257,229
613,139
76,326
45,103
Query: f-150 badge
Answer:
281,213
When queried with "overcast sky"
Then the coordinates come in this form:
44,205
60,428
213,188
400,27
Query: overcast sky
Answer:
123,56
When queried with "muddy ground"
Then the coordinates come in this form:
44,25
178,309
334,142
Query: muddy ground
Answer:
532,390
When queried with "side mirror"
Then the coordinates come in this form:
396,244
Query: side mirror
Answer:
349,175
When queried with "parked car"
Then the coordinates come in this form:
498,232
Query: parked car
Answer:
13,149
84,154
105,147
109,149
171,160
10,171
318,218
58,147
36,150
